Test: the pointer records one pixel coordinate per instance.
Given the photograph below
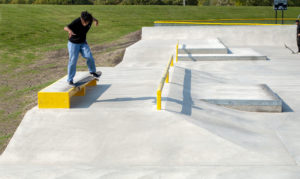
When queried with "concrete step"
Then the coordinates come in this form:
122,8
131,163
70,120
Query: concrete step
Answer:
235,54
197,50
205,46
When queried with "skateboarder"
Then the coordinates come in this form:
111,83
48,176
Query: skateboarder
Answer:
77,44
298,35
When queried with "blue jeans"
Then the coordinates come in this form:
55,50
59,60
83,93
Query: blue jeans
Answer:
74,50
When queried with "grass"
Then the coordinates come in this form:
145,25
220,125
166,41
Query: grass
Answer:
28,32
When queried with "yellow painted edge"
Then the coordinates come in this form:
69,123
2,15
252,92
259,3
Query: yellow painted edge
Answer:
53,100
158,99
167,77
207,20
211,23
81,92
92,83
177,51
61,99
164,79
73,90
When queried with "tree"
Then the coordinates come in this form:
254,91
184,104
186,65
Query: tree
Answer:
18,2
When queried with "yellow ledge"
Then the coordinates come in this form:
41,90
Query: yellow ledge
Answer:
61,99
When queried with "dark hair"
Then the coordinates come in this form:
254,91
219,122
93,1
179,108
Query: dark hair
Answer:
87,17
297,20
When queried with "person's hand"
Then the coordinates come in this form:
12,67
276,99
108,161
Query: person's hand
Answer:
298,35
96,21
71,33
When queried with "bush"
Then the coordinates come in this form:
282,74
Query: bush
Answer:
18,2
107,2
156,2
63,2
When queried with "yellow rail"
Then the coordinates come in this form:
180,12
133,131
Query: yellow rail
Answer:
212,23
165,78
177,51
208,20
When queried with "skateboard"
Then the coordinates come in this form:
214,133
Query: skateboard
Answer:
293,52
87,79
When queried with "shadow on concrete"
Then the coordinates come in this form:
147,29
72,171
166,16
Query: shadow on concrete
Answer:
185,50
92,94
204,76
187,103
192,58
187,98
285,106
127,99
229,51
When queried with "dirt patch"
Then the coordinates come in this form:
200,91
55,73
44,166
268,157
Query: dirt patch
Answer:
53,66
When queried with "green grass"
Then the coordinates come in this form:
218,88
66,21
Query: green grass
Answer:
4,138
40,27
27,32
25,29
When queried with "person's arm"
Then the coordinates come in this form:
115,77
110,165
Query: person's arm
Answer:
69,31
96,21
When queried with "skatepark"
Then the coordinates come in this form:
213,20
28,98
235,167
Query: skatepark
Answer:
231,109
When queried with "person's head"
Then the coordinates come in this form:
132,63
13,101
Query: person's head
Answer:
86,18
297,22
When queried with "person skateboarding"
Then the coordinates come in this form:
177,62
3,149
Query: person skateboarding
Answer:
77,44
298,35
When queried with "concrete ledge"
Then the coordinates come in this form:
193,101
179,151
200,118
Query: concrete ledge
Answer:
202,51
58,94
255,98
236,54
230,35
205,46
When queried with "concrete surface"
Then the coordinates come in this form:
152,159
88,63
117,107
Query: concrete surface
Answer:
61,85
230,35
234,54
245,97
115,130
206,46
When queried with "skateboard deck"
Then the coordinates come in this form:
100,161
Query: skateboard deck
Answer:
87,79
293,52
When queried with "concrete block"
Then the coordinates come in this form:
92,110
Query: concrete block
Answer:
204,46
253,98
235,54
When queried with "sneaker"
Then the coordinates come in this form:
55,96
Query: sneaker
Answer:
71,83
95,75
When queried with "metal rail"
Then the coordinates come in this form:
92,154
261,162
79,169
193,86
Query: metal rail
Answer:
164,79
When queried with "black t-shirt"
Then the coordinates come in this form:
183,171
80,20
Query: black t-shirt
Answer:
80,31
298,31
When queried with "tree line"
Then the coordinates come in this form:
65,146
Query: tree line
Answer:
154,2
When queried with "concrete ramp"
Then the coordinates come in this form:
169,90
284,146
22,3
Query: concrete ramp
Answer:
230,35
189,86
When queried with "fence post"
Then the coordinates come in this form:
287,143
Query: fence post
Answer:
158,99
